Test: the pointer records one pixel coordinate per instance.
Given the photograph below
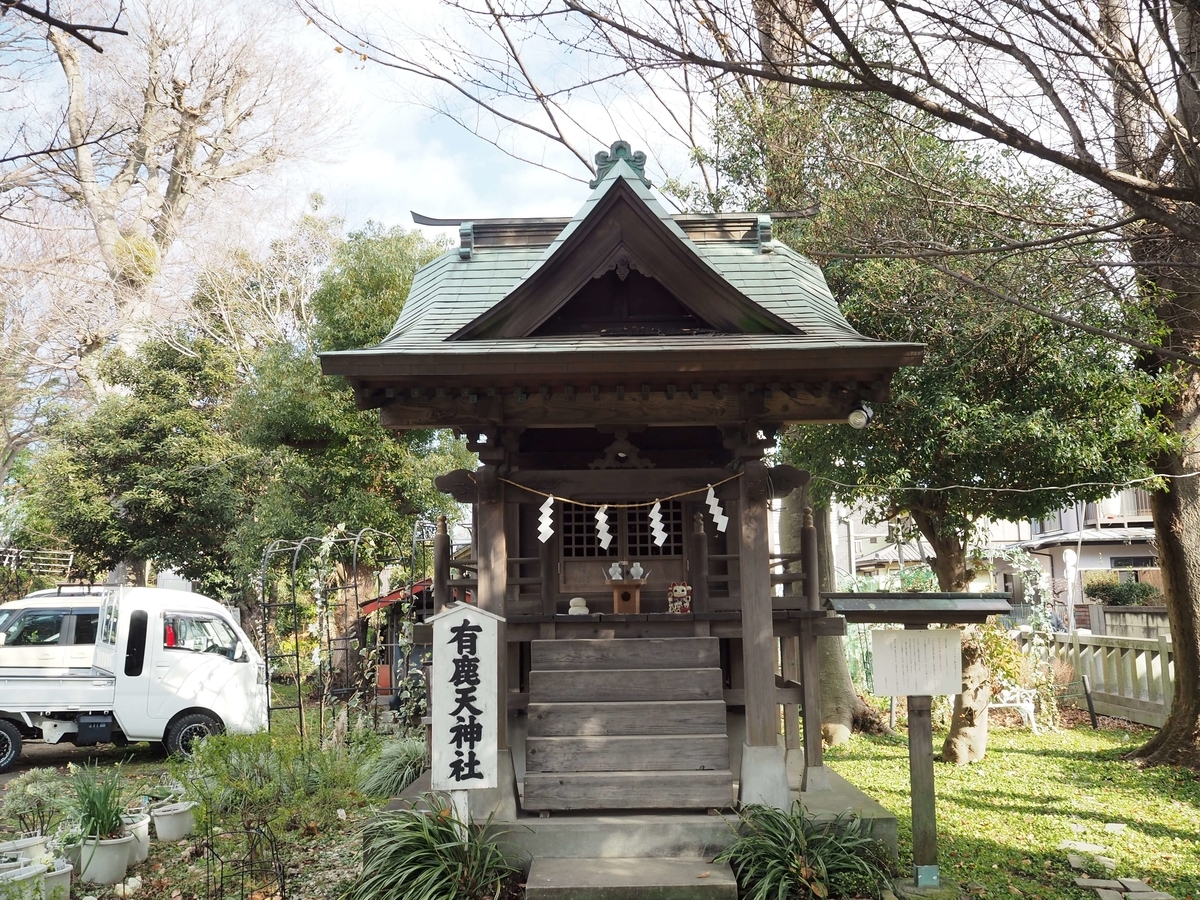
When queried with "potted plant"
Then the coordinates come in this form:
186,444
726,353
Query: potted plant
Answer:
58,879
104,841
25,847
33,800
137,823
25,883
174,820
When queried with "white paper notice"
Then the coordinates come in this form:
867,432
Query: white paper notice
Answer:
917,663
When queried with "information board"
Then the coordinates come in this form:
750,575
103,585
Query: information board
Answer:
464,699
914,663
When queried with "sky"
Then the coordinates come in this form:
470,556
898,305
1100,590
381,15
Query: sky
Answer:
403,156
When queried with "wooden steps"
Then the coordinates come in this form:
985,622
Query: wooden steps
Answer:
626,724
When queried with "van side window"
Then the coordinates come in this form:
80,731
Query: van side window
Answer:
85,627
108,628
35,626
135,651
199,633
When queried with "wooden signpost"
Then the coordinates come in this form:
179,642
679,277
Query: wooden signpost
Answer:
465,695
918,663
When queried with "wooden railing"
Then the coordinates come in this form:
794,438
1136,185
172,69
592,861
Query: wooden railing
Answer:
1130,677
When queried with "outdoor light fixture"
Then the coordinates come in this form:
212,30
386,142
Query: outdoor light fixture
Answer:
861,416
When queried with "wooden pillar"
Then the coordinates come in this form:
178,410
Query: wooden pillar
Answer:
815,776
492,559
758,634
441,566
548,563
763,769
920,776
789,648
698,565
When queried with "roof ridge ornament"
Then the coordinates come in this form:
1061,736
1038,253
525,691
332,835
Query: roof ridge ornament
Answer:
606,159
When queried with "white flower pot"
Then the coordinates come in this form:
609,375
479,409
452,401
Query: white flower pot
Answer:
71,853
174,821
104,861
27,883
138,824
25,848
58,883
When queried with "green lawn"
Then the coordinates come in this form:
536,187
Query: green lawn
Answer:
1001,820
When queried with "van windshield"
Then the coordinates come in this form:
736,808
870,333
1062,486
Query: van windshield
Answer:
199,633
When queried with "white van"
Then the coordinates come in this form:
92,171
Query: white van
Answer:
168,666
51,629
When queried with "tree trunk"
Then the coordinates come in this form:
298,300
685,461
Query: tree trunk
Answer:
967,741
1176,514
1166,265
841,707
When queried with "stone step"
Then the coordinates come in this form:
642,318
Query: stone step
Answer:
656,835
627,653
629,879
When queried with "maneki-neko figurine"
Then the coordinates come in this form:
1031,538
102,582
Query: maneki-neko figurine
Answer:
679,597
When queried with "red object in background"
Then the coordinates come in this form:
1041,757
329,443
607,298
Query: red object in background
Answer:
170,635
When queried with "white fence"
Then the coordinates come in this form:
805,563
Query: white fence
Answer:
1132,678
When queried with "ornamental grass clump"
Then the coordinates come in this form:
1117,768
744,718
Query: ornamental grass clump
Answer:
413,854
98,801
398,765
787,856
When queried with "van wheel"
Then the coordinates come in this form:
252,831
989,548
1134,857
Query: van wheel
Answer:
189,729
10,744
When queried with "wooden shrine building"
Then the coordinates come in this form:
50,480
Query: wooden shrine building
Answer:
644,363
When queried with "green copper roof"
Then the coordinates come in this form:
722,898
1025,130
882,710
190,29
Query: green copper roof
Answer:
498,257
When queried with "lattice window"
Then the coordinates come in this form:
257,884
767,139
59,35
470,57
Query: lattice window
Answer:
641,539
579,539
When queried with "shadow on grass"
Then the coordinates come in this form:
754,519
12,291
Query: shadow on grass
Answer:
1061,806
992,869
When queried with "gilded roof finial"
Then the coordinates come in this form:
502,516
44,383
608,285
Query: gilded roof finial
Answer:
606,159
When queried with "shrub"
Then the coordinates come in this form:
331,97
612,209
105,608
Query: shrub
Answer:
34,800
786,855
396,767
262,777
416,855
1123,593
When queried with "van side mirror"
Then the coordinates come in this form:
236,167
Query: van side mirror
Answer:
236,654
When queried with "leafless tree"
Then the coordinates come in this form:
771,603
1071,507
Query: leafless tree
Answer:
202,96
149,141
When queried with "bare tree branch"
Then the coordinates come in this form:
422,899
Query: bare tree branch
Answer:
80,31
